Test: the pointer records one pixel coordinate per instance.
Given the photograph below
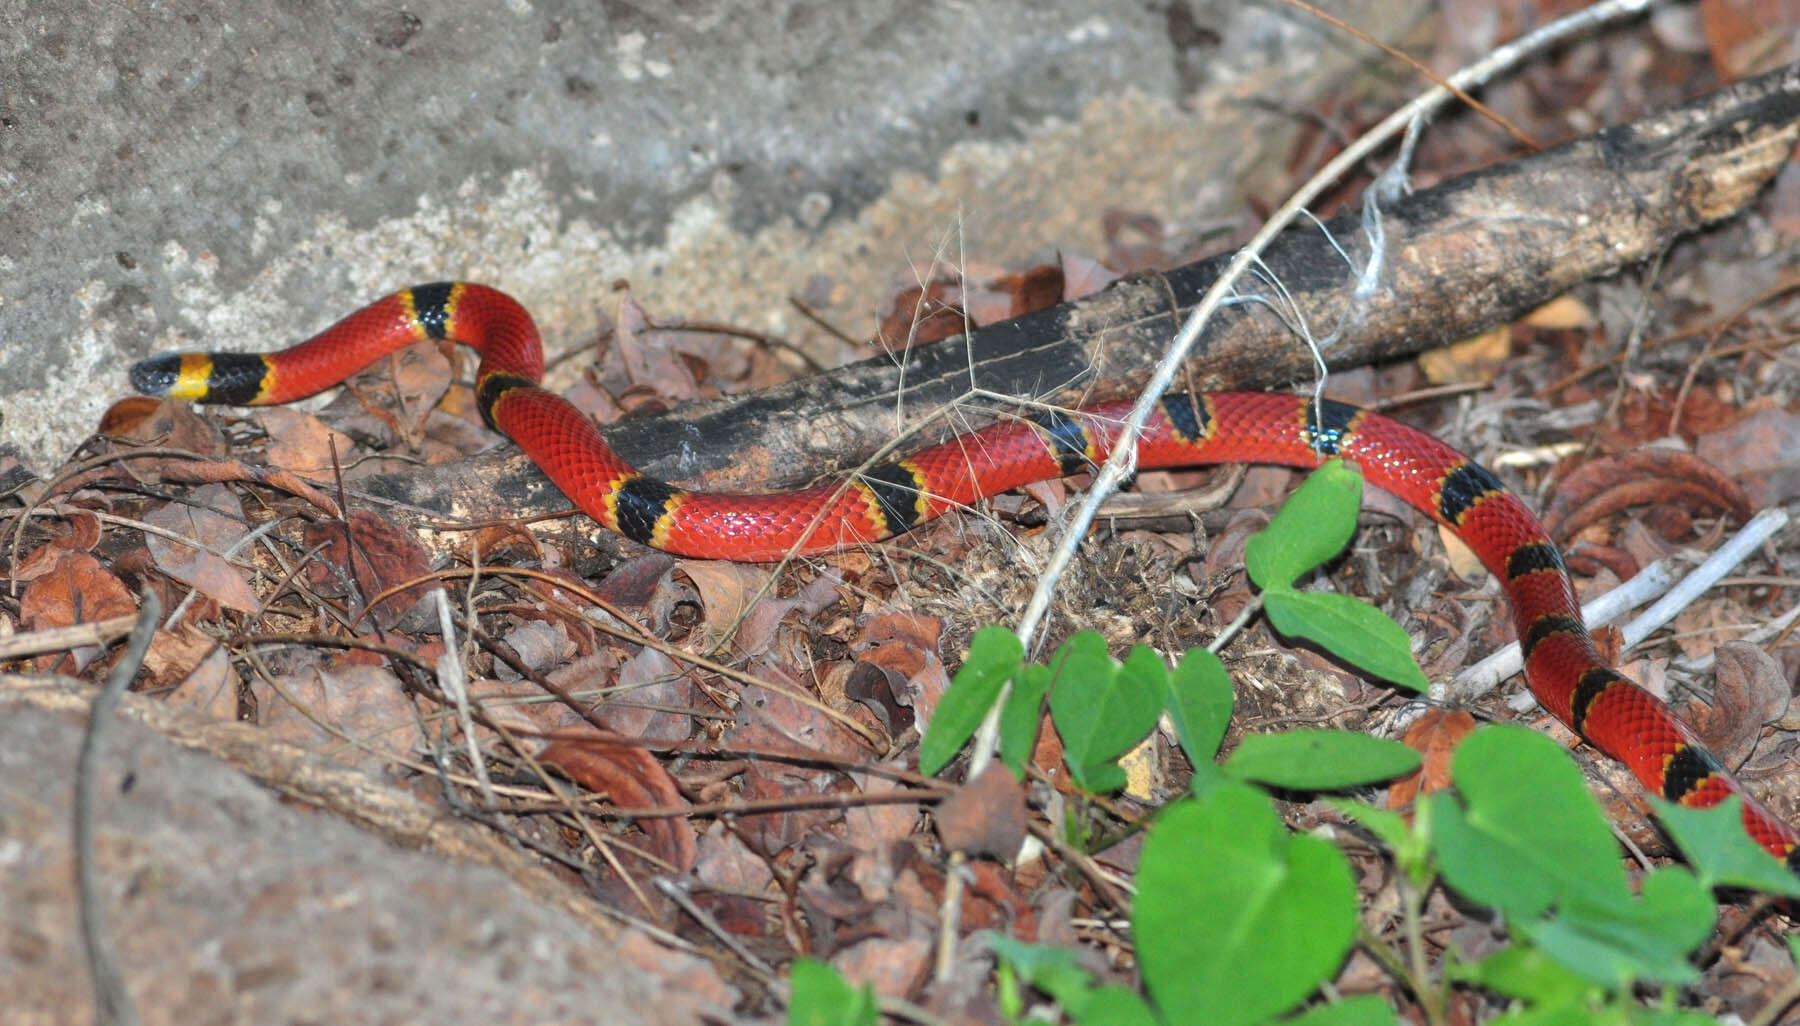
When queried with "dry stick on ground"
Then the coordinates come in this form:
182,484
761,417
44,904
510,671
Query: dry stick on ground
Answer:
1463,256
112,1001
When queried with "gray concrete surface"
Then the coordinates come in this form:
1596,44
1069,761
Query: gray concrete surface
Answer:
237,175
226,904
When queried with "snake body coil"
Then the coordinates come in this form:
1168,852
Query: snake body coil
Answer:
1562,666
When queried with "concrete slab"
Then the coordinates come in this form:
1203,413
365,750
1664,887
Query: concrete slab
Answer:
235,176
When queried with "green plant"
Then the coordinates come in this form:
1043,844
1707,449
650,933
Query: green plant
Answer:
1238,921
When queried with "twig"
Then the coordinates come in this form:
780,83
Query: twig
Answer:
1750,538
1484,676
454,680
676,891
1481,678
112,1001
58,639
1123,458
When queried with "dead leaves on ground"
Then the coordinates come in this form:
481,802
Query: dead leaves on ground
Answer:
599,732
750,730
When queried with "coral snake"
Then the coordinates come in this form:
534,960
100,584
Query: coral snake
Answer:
1562,666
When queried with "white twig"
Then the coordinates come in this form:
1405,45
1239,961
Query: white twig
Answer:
455,680
1484,676
1481,678
1759,635
1760,529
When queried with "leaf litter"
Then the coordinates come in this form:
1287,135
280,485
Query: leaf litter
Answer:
754,733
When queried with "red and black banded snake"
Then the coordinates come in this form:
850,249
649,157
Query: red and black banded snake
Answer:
1562,666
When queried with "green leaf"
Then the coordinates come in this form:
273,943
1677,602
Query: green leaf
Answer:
1524,973
1199,703
994,656
1312,526
1389,827
1613,944
1531,835
1051,969
1237,920
823,998
1531,839
1668,1017
1350,629
1116,1006
1567,1013
1019,719
1101,708
1410,843
1362,1010
1721,852
1320,760
1482,869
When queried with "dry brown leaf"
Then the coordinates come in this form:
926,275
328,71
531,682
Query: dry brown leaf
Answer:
540,645
395,396
1749,690
905,650
1223,566
83,532
1435,736
726,590
420,378
303,444
212,517
652,363
1602,487
502,544
871,687
1464,563
768,720
383,556
633,583
1473,360
649,686
1705,626
197,668
1083,276
77,589
1564,313
633,779
985,816
923,314
1748,36
82,535
1037,289
773,720
733,876
915,629
358,714
888,964
518,706
1758,450
38,562
166,422
877,825
127,415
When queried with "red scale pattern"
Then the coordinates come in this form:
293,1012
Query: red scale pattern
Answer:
1623,720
